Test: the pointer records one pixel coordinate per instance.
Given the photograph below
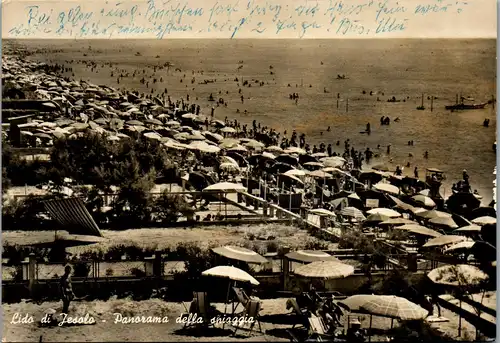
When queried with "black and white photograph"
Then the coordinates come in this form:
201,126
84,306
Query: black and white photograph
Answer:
247,189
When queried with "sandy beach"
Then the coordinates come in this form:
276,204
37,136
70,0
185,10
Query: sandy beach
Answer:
401,68
105,330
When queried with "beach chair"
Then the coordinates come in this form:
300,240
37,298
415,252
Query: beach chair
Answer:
242,297
199,306
300,313
318,329
252,310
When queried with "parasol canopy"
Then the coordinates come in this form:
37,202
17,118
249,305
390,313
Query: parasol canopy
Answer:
308,256
444,240
352,212
419,230
325,270
469,228
384,211
240,254
484,220
396,222
385,187
354,302
465,245
376,218
444,222
320,174
424,200
394,307
457,275
232,273
433,214
322,212
225,186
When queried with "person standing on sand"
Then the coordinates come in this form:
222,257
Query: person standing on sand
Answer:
66,289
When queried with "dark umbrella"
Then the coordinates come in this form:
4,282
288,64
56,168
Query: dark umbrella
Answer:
287,159
238,157
279,167
307,158
462,203
483,212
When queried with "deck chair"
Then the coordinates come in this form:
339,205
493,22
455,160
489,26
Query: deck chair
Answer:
318,329
242,297
199,306
300,313
252,310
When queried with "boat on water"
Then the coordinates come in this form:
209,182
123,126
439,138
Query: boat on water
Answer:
464,106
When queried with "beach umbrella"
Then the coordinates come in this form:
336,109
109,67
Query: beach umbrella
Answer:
229,143
153,135
294,178
189,116
322,212
67,240
457,275
47,124
320,174
308,256
385,211
231,273
402,205
295,150
352,212
424,200
101,121
375,218
483,211
284,158
353,196
385,187
204,147
334,170
228,129
469,228
396,222
134,123
335,161
433,214
295,172
154,121
228,159
27,133
419,230
238,147
274,148
218,123
425,192
240,254
320,155
325,270
172,123
444,240
354,302
394,307
268,155
253,144
229,167
314,164
226,187
444,222
215,137
465,245
113,138
484,220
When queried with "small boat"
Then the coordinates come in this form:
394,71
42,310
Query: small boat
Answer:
463,106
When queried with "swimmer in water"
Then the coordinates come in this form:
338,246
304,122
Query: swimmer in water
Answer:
329,129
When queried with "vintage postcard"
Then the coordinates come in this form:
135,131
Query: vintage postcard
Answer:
249,170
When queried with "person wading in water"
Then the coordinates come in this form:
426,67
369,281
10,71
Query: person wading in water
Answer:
66,289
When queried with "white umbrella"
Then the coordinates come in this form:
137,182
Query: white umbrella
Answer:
325,270
394,307
469,228
274,148
153,135
228,129
352,212
385,211
457,275
240,254
460,245
419,230
385,187
225,186
322,212
433,214
227,159
229,167
444,240
320,174
424,200
189,116
232,273
295,150
295,172
446,222
484,220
